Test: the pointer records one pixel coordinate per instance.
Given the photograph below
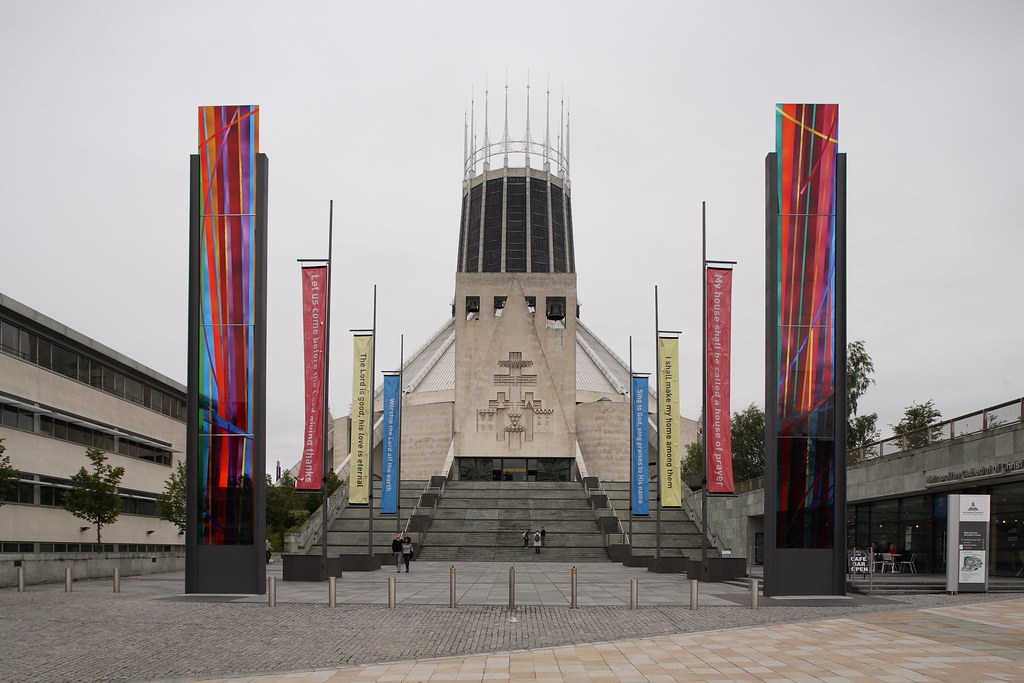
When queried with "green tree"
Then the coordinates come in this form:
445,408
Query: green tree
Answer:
171,503
918,424
8,475
310,502
94,497
693,464
860,429
748,443
747,447
280,501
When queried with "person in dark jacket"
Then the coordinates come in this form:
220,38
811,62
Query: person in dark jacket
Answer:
396,549
526,538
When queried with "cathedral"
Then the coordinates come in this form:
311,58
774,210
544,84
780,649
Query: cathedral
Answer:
514,387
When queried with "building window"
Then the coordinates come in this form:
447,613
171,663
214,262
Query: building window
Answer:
30,347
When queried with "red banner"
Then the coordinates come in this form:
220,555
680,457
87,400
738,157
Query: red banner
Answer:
719,345
314,318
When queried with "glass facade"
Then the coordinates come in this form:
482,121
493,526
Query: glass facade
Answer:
916,525
515,469
33,347
516,224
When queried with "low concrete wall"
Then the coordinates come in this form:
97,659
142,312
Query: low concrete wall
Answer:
49,567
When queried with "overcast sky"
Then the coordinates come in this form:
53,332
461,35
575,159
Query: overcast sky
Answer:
672,103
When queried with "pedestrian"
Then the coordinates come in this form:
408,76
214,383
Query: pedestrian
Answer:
270,555
396,549
542,535
536,542
407,552
526,538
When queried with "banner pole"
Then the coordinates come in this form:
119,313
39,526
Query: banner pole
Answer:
324,413
704,386
401,401
369,459
657,458
630,441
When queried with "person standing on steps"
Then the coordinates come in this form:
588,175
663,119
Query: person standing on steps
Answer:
407,552
526,538
396,549
542,535
536,542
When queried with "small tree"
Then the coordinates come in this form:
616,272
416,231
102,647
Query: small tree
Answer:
171,503
860,429
693,465
918,424
310,502
280,499
8,475
748,443
94,497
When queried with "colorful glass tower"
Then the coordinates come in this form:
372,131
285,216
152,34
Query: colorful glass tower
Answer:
227,355
805,384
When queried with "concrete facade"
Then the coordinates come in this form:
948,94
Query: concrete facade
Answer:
515,386
40,394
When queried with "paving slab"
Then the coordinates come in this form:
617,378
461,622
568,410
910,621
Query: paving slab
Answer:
152,631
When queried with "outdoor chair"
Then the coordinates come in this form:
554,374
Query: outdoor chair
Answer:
888,561
909,564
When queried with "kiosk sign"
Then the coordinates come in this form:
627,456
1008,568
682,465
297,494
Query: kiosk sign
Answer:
967,561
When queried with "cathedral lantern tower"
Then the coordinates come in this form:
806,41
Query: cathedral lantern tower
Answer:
515,308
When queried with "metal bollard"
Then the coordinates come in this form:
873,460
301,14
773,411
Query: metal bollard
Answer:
21,579
572,589
451,588
117,580
511,587
634,593
272,591
693,593
332,591
67,579
753,593
392,592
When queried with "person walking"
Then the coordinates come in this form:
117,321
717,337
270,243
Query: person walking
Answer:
407,552
526,538
270,557
536,542
396,549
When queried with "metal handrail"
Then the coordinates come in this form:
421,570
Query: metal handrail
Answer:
309,532
940,431
421,535
694,513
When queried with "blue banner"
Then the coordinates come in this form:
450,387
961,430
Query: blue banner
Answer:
391,445
641,484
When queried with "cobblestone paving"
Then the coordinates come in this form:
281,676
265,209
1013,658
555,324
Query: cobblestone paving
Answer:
95,635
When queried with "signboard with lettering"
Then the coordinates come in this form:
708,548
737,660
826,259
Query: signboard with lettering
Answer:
967,527
858,561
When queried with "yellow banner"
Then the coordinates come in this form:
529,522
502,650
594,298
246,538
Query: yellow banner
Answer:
669,449
361,446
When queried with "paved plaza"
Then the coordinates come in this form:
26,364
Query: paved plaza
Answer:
152,631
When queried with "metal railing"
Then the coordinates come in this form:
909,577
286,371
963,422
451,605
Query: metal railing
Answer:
421,510
986,419
606,537
309,533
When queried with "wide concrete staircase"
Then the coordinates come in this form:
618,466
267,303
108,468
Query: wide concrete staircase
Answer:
477,521
680,535
348,534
